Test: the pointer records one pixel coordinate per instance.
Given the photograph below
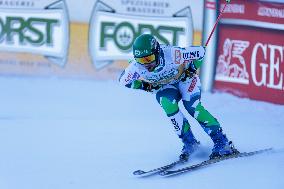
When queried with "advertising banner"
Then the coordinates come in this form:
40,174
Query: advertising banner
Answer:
37,32
68,38
34,36
251,51
113,29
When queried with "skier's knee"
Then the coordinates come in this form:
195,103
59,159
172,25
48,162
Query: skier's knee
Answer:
170,107
168,99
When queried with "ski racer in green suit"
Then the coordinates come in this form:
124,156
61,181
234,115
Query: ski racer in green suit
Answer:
169,72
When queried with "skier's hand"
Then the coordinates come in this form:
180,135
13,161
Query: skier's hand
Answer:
155,87
146,86
149,87
192,68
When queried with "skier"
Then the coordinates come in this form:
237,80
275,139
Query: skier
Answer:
169,72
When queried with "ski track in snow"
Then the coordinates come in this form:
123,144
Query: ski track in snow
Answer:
84,134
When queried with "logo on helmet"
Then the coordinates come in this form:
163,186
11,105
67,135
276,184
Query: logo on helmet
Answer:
140,52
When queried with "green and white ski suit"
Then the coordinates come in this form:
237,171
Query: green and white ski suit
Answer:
172,81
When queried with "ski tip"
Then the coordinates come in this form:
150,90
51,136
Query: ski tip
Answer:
266,150
138,172
269,149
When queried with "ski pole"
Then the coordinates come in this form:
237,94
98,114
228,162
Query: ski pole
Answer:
219,17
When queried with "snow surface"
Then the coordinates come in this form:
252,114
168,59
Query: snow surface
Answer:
65,134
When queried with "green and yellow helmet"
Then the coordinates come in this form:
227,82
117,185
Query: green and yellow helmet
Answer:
146,49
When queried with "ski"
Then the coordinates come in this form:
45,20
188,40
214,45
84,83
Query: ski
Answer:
157,170
210,161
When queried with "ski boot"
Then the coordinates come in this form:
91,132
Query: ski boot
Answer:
190,144
222,146
188,149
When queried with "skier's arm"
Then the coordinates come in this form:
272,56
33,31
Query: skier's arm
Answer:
138,84
130,78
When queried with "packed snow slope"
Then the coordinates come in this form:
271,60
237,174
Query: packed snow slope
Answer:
78,134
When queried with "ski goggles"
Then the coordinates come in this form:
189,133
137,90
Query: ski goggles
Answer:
146,60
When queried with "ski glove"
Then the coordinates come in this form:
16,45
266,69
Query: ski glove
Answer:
192,68
149,87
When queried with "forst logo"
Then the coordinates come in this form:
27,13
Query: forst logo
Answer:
112,33
123,34
41,30
33,31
